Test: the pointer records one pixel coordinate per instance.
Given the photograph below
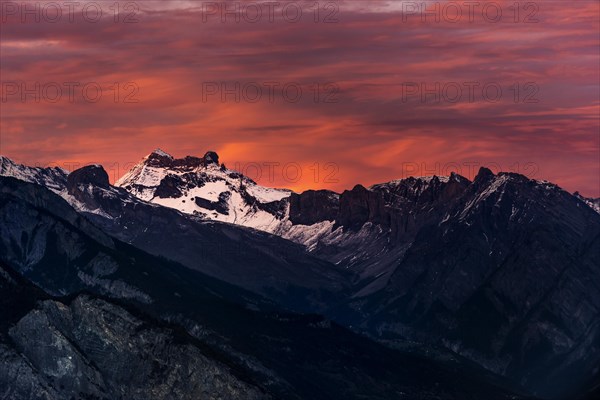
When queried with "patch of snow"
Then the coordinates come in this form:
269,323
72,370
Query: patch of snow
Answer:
210,191
53,178
267,195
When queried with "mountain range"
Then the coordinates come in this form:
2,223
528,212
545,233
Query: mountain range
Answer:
419,288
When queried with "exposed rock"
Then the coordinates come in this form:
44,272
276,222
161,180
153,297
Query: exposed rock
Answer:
221,206
359,206
313,206
169,187
483,176
159,158
506,274
93,349
211,158
188,163
90,175
88,348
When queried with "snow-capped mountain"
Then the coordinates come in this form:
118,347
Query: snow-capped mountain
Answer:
66,184
350,229
201,186
54,179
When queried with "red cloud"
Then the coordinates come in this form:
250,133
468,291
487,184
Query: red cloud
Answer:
376,126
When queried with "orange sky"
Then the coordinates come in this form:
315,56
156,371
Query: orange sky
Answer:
372,128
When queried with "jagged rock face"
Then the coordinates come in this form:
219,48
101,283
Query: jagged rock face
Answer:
508,276
93,349
211,158
160,159
359,206
411,193
18,379
90,175
90,179
414,202
88,348
398,208
372,228
313,206
169,187
221,206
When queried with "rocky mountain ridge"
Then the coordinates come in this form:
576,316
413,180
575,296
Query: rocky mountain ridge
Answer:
501,270
110,321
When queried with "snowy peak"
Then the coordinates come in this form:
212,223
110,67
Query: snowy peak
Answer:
161,159
159,153
201,186
155,166
53,178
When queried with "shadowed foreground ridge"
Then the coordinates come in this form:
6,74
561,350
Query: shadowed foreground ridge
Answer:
177,327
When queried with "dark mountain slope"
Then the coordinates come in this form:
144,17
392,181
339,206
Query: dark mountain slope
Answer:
290,356
260,262
502,270
508,276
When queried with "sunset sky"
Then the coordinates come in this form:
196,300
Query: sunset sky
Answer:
369,59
